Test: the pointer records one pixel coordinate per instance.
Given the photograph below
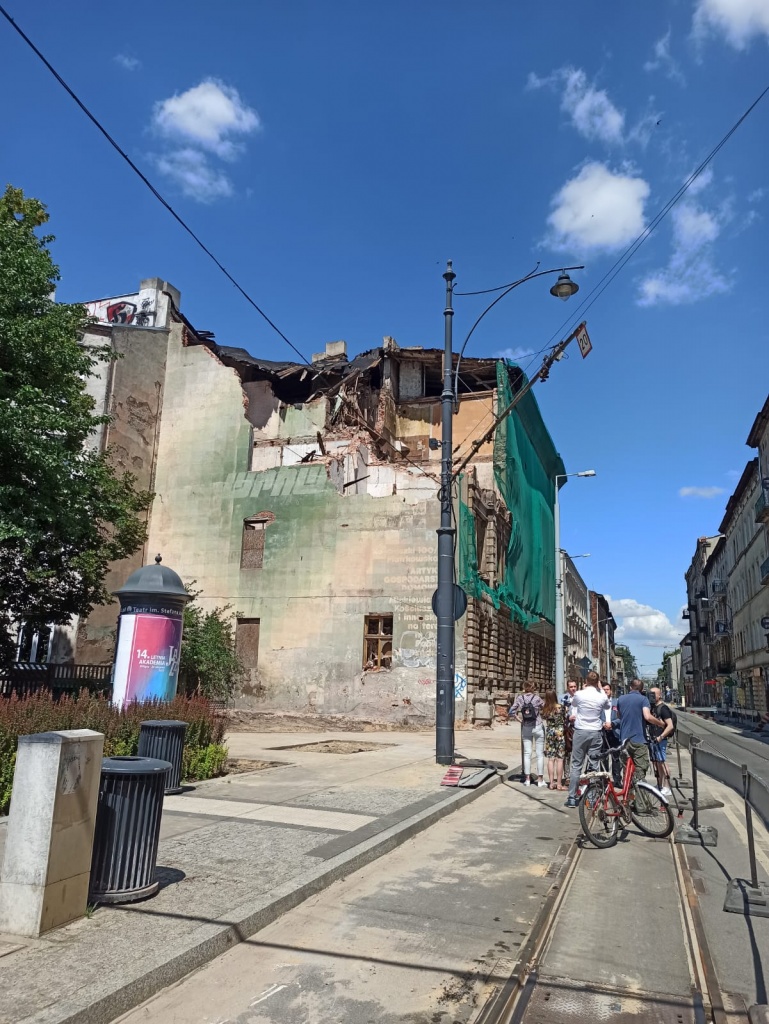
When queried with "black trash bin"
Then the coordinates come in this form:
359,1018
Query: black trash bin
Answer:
125,844
166,741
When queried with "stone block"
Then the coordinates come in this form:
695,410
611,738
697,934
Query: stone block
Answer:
705,835
743,898
47,862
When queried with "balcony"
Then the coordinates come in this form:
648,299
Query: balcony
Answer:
718,587
762,509
723,629
685,613
765,573
723,668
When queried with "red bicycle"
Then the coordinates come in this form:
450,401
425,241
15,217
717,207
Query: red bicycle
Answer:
603,809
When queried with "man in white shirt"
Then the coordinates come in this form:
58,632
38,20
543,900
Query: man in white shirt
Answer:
588,707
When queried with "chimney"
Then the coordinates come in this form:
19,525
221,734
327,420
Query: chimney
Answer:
334,350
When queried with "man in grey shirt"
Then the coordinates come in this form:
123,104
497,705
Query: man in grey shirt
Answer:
588,708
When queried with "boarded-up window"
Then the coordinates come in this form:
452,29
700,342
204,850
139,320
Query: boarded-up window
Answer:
247,642
377,642
252,548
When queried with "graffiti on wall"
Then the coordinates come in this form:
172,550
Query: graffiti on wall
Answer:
125,310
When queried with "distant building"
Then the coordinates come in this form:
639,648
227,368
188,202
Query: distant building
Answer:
575,617
603,626
696,612
747,592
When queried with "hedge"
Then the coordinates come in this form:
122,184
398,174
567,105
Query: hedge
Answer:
204,753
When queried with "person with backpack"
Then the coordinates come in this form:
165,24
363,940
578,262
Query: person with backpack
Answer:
526,709
658,738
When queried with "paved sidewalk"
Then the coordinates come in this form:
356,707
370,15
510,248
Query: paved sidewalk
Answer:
236,854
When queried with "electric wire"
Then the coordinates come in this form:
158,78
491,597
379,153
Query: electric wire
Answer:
598,289
182,223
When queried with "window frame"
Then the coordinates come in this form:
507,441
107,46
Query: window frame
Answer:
381,638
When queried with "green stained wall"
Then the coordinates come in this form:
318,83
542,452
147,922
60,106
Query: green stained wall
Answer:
329,559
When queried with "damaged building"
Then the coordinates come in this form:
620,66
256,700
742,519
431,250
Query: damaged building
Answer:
304,498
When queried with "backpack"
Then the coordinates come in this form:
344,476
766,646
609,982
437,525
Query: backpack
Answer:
528,712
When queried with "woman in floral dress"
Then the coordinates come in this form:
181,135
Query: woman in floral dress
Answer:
554,717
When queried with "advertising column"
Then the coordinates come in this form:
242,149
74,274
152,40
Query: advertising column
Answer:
149,635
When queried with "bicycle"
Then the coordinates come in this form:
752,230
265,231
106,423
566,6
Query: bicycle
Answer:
602,809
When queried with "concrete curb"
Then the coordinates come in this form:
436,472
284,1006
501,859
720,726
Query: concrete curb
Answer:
117,995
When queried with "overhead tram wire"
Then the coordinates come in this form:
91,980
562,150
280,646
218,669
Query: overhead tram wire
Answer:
182,223
598,289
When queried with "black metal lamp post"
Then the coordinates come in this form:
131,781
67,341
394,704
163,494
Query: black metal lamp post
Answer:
447,604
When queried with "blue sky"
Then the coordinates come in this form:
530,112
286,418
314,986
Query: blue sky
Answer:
335,154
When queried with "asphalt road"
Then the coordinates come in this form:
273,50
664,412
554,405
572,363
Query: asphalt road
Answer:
740,745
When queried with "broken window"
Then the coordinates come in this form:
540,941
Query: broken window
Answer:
252,548
247,642
377,642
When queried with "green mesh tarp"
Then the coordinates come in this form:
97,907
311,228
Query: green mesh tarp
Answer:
525,467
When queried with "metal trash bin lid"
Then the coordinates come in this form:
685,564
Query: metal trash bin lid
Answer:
132,764
162,722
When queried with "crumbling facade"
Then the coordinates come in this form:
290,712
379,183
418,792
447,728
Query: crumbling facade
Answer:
304,499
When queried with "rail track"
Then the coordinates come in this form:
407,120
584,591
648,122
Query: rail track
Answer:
582,964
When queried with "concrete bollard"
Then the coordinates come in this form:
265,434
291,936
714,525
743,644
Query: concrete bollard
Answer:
47,863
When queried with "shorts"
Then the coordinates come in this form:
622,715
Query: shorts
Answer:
658,750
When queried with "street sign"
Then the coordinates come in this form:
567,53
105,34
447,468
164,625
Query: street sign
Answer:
583,340
460,602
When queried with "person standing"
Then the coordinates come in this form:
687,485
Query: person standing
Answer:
568,697
587,712
658,739
634,712
526,709
554,716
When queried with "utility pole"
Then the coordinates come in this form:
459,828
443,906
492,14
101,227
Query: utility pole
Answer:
608,656
560,689
589,629
444,601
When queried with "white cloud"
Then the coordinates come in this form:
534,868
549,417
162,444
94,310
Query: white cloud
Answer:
193,172
738,20
691,273
129,63
598,209
210,115
516,354
640,623
591,111
663,60
206,122
701,182
700,492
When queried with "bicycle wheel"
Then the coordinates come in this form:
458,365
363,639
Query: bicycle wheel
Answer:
650,812
598,815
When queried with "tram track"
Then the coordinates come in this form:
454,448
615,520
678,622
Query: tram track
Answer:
536,992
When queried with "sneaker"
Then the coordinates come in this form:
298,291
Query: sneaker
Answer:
541,783
527,782
570,803
666,791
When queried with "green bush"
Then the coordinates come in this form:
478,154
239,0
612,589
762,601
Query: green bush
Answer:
204,753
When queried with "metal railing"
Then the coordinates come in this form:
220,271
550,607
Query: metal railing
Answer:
764,572
754,790
761,508
24,678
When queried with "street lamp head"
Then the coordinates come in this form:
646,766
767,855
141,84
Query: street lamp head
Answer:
564,287
586,472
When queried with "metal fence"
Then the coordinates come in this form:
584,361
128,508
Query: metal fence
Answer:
23,679
753,789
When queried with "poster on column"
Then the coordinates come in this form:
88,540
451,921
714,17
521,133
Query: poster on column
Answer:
147,660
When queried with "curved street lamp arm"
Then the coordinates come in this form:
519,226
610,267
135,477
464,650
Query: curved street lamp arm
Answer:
506,289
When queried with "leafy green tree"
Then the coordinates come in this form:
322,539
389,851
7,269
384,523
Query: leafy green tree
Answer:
628,660
65,513
208,663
